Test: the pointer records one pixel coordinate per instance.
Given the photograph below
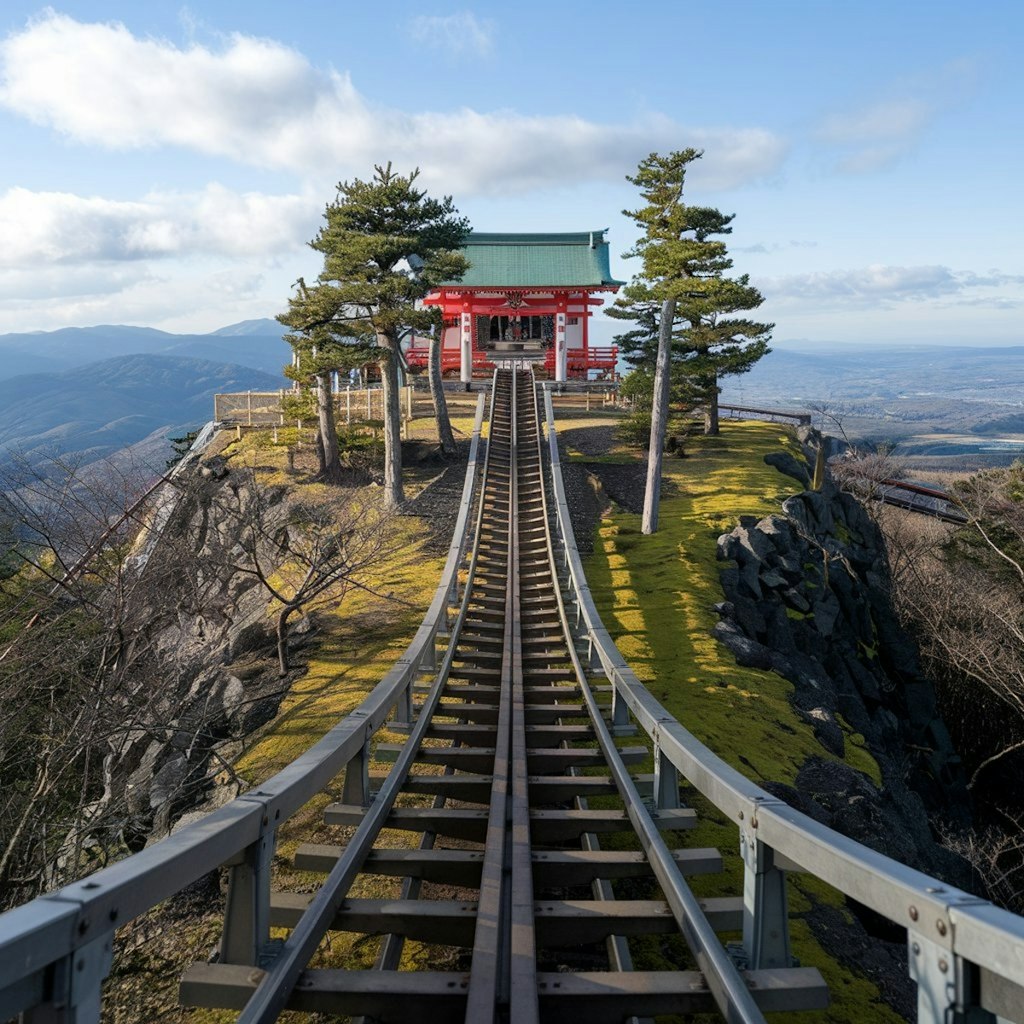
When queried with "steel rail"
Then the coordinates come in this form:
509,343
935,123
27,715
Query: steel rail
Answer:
730,992
275,988
73,922
940,919
503,976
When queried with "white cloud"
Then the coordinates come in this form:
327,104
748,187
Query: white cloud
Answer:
259,102
881,285
199,296
879,134
61,228
461,33
889,120
876,136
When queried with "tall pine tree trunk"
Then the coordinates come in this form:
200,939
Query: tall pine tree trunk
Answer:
711,409
330,469
394,495
445,437
659,417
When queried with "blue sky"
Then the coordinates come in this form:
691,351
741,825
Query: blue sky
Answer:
164,165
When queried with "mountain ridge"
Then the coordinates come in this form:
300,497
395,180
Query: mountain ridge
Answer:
93,411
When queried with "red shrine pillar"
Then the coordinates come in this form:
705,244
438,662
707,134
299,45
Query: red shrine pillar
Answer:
466,344
586,335
561,355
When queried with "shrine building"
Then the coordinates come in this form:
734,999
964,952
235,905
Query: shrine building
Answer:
524,296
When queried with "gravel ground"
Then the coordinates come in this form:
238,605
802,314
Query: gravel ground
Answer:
438,502
589,486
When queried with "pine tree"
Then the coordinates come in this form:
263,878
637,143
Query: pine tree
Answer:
684,263
320,351
386,244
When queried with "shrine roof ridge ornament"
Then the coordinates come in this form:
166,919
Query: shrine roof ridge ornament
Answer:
578,259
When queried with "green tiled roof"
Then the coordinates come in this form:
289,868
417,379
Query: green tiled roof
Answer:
577,259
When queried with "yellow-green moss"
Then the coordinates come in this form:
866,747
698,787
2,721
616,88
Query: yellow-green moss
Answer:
656,595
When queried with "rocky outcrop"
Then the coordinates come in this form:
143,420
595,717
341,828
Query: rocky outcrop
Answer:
204,673
808,597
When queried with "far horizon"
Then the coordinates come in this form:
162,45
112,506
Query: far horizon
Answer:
602,328
866,207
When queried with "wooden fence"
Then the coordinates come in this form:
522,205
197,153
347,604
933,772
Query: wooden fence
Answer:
358,407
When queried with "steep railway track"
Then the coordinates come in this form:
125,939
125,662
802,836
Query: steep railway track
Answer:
539,848
508,748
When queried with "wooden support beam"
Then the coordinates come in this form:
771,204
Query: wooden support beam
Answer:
439,997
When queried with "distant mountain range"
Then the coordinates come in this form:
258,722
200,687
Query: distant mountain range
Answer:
93,391
254,343
90,392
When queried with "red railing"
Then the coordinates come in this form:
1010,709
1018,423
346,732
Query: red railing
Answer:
579,362
418,356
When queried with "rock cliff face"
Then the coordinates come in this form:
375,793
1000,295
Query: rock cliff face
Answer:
808,597
208,676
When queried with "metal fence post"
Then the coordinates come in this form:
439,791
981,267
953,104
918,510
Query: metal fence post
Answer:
948,987
247,909
356,788
620,709
74,991
765,908
666,779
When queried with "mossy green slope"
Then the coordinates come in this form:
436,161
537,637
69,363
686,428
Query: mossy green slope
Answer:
656,595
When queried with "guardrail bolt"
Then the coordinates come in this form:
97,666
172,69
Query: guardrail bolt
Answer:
941,925
913,913
916,948
943,966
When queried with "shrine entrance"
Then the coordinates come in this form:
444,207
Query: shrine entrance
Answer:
524,297
522,334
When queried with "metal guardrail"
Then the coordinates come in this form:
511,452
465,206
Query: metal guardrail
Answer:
56,951
802,419
966,955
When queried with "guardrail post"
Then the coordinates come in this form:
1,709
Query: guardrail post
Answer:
75,989
246,930
356,788
666,779
948,986
403,709
429,660
765,909
620,709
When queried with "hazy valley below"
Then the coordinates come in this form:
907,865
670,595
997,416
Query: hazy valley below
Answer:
944,407
85,394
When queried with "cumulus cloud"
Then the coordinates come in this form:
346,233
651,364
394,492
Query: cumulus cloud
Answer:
260,102
62,228
461,33
187,296
879,284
